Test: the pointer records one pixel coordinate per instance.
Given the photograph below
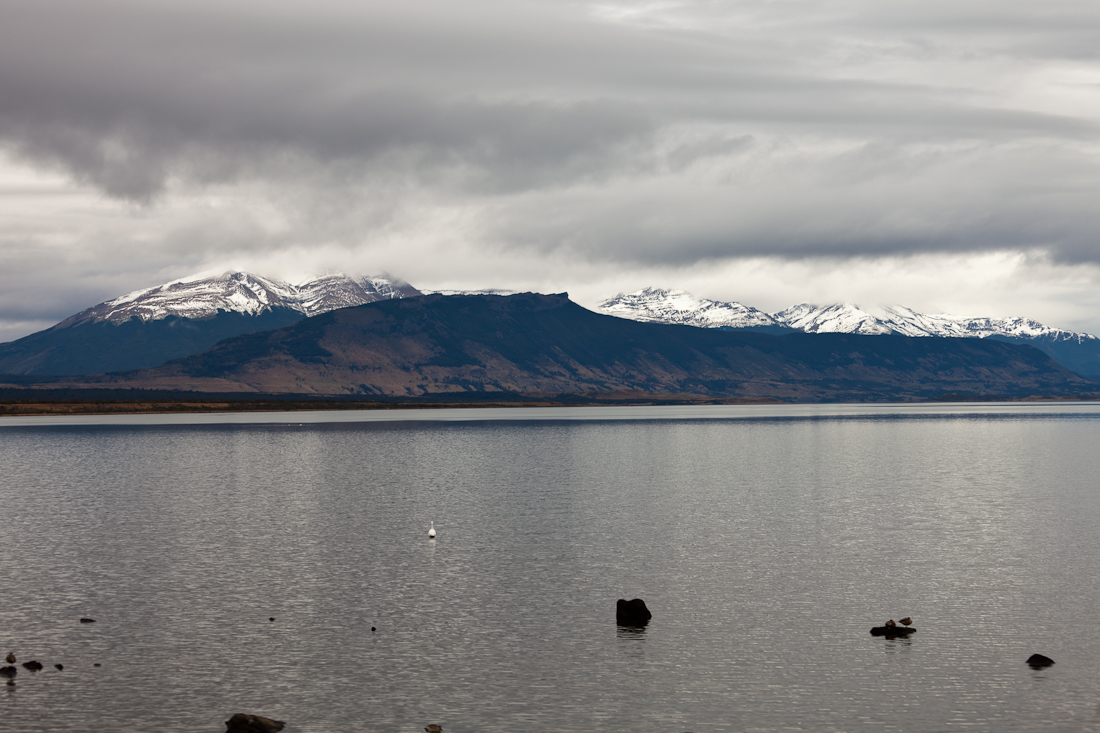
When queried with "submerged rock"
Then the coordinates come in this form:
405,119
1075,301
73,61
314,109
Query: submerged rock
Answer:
1038,661
244,723
32,665
632,613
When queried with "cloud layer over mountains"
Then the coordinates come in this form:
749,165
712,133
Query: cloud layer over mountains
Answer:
546,142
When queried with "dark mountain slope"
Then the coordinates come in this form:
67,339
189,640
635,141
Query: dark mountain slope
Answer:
102,346
546,344
1076,354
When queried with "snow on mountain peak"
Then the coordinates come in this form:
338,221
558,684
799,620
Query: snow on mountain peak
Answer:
839,318
655,305
236,291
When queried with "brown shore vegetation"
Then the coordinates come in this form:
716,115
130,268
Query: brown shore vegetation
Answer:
27,407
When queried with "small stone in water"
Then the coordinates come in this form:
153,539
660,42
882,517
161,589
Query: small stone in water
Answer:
87,620
244,723
60,666
1038,661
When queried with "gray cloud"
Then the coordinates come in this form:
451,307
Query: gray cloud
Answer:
621,134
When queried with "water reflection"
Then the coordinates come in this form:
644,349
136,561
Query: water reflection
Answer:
896,644
630,633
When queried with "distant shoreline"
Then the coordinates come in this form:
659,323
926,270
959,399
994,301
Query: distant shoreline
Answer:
43,406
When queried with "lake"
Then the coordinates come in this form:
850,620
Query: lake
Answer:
766,541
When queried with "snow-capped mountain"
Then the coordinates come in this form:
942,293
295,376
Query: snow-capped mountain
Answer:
1077,351
655,305
840,318
150,326
849,318
241,292
910,323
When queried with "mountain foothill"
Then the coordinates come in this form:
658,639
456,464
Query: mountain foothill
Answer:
338,336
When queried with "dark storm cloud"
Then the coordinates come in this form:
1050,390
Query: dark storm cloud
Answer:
128,96
659,134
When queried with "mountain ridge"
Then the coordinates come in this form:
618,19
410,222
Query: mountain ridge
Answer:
151,326
1075,350
546,344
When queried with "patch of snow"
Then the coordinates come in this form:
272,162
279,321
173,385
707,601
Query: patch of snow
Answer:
654,305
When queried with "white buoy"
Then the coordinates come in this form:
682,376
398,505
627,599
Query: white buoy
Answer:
431,531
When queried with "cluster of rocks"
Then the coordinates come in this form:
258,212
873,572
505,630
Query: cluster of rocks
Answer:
891,630
632,613
33,666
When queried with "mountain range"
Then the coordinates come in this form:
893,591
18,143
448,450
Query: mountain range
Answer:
547,345
186,319
1079,352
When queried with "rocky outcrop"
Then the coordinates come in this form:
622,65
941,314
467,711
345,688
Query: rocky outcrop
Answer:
892,631
244,723
1038,661
632,613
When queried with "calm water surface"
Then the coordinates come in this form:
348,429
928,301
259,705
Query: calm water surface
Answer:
766,541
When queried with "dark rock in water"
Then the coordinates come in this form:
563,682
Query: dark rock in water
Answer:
59,667
1038,661
97,664
87,620
8,671
632,613
892,630
271,619
243,723
32,665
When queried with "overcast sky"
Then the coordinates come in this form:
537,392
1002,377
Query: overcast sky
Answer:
939,155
